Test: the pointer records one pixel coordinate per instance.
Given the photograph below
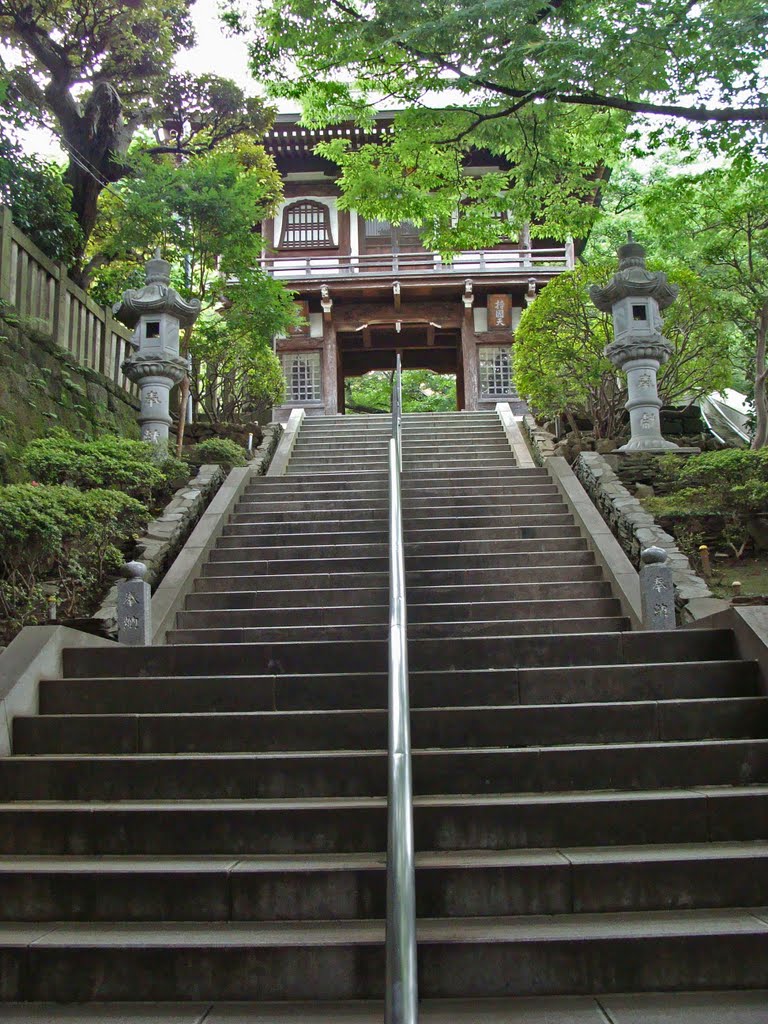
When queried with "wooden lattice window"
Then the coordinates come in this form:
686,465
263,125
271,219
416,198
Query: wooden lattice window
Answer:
496,370
306,225
302,376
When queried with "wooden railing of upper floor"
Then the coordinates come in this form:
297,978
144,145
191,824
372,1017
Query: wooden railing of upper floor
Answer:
291,265
40,292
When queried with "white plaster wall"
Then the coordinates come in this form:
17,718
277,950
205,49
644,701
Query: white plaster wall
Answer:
481,319
354,233
315,325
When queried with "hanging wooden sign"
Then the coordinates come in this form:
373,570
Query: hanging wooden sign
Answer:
303,310
499,312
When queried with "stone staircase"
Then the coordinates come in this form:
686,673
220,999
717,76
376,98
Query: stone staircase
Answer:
204,824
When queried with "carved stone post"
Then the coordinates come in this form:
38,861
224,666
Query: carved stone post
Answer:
156,312
657,591
635,296
134,615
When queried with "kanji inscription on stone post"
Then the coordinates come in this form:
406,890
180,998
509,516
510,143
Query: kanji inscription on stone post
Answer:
657,591
134,623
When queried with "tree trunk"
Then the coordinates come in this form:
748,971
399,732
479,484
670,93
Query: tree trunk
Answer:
572,424
97,142
761,397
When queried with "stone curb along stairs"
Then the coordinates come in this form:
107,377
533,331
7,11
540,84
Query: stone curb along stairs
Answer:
204,822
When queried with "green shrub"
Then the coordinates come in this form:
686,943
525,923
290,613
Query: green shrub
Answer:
115,463
220,451
62,535
730,484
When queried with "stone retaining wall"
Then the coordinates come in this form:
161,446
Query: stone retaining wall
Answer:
636,529
542,443
166,535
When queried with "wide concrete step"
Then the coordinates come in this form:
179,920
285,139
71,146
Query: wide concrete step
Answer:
331,595
344,549
330,524
729,1007
358,824
354,690
552,651
563,768
497,629
509,473
477,461
499,498
514,725
307,507
243,547
349,887
347,455
308,615
564,566
569,587
253,566
462,529
524,955
331,539
300,582
549,608
254,514
270,486
274,600
562,539
568,551
457,488
349,631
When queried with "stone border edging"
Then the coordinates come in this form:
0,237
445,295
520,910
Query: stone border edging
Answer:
635,529
290,436
514,435
609,554
35,653
749,624
179,581
541,442
166,535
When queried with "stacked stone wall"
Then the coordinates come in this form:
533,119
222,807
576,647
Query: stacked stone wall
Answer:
634,527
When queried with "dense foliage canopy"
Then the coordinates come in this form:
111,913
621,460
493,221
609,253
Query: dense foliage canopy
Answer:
552,88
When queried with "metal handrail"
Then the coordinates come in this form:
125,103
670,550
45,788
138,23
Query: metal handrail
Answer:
401,986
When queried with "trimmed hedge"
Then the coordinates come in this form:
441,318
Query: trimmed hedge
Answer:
114,463
58,534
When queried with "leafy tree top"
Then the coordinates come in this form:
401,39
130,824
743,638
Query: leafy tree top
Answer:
72,47
550,87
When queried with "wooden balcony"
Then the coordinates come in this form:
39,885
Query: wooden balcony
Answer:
492,263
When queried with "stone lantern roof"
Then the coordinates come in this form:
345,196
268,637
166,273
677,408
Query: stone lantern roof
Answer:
633,279
156,297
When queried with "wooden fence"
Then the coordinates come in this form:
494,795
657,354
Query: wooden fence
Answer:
39,290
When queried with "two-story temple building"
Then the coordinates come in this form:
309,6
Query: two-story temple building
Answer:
369,289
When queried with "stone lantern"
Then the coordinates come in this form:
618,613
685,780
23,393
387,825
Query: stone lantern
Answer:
156,312
635,296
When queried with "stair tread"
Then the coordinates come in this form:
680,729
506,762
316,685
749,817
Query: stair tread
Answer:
440,800
580,927
467,859
304,714
723,1007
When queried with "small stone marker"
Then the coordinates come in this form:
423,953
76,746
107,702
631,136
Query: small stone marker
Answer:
657,592
134,623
